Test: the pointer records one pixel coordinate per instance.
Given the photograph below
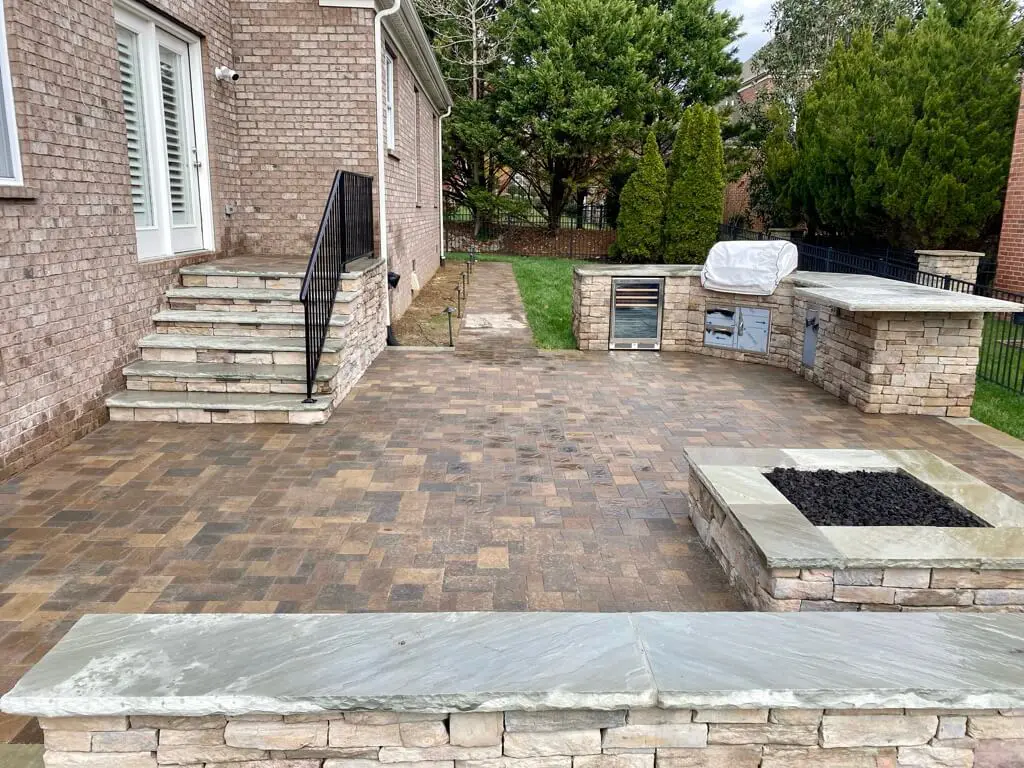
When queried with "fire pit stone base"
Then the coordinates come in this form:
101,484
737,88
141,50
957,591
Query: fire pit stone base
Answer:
780,561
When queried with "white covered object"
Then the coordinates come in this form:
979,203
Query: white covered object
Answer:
753,267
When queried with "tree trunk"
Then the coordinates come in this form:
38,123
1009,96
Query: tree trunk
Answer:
581,200
557,198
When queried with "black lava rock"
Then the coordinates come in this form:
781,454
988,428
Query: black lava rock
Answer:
827,497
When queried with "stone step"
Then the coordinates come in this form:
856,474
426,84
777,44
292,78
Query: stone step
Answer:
217,408
255,272
246,300
239,323
254,350
21,756
155,376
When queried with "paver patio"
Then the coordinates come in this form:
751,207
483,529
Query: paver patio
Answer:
446,481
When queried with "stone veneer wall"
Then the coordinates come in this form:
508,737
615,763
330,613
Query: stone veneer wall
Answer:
638,738
366,335
915,363
960,265
848,589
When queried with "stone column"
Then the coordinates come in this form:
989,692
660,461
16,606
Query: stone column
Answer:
960,265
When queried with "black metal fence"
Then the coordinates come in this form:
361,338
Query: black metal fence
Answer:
582,233
346,234
1002,346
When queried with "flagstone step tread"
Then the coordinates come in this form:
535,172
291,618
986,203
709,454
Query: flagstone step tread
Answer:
21,756
156,369
233,343
249,294
241,318
215,401
276,268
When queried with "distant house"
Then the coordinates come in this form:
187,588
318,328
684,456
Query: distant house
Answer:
164,161
1010,262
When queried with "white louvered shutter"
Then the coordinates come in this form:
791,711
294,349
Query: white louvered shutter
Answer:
175,132
134,117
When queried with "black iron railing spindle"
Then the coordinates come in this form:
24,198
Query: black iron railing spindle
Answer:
345,234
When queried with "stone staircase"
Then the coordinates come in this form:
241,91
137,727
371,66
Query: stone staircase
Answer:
230,348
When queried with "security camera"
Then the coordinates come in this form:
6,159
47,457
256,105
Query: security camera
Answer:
225,73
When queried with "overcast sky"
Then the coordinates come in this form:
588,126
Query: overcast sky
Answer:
754,13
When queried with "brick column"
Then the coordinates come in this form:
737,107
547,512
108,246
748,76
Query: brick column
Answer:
960,265
1010,269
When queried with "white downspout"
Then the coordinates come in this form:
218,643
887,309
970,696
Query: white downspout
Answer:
440,177
378,48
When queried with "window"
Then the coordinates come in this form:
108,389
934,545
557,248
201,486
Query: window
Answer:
389,100
161,85
10,156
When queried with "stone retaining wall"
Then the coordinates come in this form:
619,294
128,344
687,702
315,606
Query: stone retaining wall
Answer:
847,589
638,738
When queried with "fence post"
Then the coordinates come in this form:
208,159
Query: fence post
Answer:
828,259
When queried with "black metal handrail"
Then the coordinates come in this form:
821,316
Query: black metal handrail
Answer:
346,234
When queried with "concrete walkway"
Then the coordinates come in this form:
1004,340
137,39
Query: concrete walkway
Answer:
495,319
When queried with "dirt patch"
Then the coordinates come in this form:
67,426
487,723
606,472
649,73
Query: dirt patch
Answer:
424,323
827,497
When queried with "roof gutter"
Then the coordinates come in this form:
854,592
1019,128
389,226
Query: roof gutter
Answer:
382,214
440,178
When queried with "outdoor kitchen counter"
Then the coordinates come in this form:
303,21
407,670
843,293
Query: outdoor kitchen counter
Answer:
856,293
882,345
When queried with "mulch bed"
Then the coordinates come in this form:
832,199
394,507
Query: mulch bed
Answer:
424,323
827,497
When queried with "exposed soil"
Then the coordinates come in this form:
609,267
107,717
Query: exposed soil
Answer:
827,497
424,323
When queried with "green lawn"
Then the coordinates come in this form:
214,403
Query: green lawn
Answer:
546,288
999,408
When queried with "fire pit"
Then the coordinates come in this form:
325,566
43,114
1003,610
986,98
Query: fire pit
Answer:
857,529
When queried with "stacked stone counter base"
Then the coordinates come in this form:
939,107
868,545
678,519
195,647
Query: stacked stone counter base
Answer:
881,345
535,690
780,561
637,738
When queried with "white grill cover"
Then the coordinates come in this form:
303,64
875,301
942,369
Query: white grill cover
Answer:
753,267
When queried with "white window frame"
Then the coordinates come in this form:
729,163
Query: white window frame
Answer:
156,242
389,100
7,105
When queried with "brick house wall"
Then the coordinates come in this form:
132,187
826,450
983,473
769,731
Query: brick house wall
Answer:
1010,262
306,108
74,298
414,228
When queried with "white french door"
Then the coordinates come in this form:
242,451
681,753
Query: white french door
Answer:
160,75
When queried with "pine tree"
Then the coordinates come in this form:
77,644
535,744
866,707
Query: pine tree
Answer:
642,208
909,138
696,197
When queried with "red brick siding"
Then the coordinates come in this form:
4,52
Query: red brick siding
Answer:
74,298
413,217
1010,269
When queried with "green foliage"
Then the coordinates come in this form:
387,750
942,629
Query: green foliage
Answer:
772,192
696,198
909,137
584,80
642,207
804,32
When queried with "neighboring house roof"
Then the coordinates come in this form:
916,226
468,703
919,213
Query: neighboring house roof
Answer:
410,37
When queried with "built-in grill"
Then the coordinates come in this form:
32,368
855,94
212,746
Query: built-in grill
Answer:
636,313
